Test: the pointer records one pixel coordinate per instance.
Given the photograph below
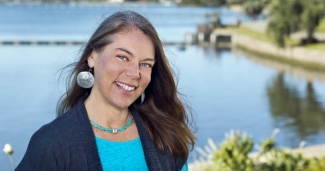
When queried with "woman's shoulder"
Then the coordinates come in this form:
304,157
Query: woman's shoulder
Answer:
59,127
50,143
53,136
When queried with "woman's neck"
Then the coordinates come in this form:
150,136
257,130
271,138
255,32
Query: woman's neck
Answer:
105,114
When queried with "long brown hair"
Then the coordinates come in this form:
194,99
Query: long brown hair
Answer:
163,113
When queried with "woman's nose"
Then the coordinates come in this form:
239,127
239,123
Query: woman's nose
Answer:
133,71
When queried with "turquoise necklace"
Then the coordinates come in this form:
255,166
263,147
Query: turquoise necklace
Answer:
114,131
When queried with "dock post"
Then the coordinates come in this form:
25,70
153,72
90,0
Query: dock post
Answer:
213,38
201,37
188,38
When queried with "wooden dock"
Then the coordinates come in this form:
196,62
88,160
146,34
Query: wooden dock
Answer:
216,38
40,42
63,42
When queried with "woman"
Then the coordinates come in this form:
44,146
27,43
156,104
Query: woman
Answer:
128,116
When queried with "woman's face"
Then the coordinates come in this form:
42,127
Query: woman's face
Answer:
123,68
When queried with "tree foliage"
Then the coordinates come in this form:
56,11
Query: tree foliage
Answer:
311,17
288,16
203,2
253,8
236,2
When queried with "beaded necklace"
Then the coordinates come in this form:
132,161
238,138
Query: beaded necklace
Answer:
114,131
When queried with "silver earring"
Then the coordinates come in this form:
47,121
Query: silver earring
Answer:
142,97
85,79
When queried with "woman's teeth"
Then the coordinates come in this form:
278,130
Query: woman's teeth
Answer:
125,87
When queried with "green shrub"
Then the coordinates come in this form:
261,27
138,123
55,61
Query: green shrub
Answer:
233,154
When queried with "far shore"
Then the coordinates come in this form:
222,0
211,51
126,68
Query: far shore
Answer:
298,56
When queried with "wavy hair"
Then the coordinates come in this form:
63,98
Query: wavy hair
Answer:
163,113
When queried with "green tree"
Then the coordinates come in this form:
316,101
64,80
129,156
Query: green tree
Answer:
311,17
288,16
235,2
203,2
285,18
253,8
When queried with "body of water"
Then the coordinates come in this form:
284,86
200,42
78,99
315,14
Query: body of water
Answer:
227,89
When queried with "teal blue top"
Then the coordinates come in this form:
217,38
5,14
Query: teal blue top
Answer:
127,155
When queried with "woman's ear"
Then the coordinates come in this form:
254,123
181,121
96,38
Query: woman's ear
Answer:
91,59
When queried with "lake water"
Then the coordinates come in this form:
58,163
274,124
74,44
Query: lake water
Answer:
226,88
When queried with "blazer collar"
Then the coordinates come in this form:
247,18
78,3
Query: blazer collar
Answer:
87,136
153,156
149,148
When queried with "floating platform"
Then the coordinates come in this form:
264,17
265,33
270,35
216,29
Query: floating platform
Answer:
62,42
27,42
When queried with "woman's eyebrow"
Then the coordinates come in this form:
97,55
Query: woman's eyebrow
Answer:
125,50
149,59
131,54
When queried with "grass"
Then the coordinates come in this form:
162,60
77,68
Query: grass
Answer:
251,33
261,36
317,46
289,42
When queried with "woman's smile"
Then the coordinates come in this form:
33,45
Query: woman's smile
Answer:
125,86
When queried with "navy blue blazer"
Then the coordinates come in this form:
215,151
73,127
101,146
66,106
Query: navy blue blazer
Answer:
68,143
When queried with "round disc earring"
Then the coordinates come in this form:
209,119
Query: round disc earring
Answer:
85,79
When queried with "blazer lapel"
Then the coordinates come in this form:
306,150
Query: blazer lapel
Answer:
149,148
87,137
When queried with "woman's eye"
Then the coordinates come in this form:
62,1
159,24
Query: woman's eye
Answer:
123,58
146,65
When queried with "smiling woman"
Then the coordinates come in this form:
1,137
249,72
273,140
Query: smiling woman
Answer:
129,118
123,71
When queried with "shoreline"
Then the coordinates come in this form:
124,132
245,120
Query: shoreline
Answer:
298,56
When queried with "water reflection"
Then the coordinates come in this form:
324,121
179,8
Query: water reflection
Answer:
215,51
302,114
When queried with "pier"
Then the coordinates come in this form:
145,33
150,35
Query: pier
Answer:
68,42
28,42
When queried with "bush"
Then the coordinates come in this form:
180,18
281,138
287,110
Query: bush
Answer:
233,155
